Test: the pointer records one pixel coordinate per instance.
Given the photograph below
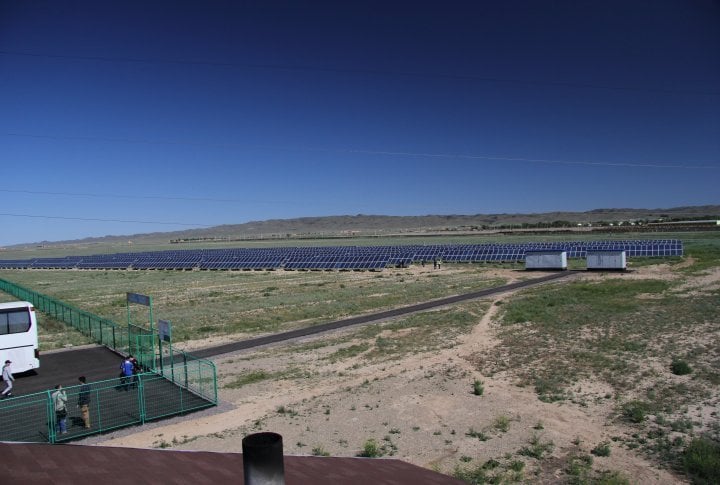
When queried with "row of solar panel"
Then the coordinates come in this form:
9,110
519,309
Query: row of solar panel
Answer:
416,251
339,257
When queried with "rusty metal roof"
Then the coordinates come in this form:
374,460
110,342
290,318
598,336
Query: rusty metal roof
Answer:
39,463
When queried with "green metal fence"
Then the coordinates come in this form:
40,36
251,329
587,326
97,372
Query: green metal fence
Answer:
176,383
101,330
113,404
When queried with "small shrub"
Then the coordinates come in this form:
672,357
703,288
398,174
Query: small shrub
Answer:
611,477
537,448
682,425
635,411
579,468
475,475
502,423
370,449
476,434
319,451
602,449
550,389
478,387
680,367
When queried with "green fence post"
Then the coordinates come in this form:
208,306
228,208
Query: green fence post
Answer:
96,400
52,437
215,388
185,365
141,398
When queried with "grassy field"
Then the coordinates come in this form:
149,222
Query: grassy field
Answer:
204,304
211,304
648,343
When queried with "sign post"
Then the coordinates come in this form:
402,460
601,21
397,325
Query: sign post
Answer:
165,335
145,359
140,300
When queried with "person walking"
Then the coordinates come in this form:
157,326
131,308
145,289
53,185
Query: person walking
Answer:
136,370
84,401
59,399
8,378
126,373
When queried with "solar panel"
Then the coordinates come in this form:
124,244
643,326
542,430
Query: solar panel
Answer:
340,257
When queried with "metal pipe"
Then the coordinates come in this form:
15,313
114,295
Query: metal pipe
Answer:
263,459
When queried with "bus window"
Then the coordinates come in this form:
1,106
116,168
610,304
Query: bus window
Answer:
4,324
18,321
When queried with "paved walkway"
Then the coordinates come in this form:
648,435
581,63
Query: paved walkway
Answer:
96,363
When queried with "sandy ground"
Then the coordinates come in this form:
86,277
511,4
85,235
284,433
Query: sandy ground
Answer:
420,409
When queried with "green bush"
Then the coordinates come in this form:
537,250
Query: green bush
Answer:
370,449
635,411
579,468
537,449
477,434
478,387
680,367
701,460
502,424
602,449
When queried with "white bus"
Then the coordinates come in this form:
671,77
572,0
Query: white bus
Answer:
19,336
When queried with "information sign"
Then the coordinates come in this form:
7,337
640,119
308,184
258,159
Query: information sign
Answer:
138,298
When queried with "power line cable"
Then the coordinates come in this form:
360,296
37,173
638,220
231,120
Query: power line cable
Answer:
374,72
141,197
502,158
91,219
539,160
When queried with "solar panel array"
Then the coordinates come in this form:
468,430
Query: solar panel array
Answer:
341,257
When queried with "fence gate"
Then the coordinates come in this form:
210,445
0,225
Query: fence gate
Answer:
141,344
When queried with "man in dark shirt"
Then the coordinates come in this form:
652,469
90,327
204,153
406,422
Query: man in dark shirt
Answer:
84,401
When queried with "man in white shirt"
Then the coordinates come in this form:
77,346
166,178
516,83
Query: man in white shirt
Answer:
8,378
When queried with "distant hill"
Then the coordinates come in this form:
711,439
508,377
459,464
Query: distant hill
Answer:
333,226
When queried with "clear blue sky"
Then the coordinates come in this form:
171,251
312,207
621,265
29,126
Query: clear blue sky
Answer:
180,114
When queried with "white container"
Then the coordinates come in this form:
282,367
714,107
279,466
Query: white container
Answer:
546,259
607,259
